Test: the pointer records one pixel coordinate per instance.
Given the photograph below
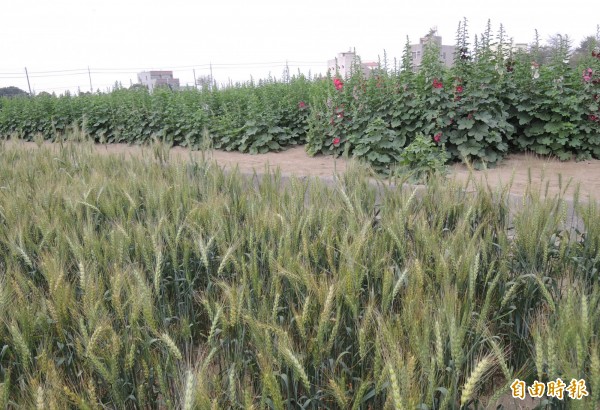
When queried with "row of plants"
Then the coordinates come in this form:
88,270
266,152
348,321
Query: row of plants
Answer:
145,283
250,117
493,101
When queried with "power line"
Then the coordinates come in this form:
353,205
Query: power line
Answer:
130,70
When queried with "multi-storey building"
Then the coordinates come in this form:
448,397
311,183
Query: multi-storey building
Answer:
153,79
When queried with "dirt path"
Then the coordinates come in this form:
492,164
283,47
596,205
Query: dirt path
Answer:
295,161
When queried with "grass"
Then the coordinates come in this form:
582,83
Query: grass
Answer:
149,283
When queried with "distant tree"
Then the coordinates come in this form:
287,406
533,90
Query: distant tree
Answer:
138,86
12,92
205,82
587,44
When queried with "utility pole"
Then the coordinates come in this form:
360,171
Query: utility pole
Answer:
28,83
211,77
195,80
90,75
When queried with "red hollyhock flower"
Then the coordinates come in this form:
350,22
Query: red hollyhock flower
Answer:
336,141
437,137
459,89
593,118
338,84
437,84
302,105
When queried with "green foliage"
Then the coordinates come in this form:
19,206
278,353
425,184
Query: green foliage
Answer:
423,159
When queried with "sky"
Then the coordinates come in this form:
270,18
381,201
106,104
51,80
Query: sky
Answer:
58,40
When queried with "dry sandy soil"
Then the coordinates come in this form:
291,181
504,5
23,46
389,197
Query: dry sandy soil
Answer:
295,161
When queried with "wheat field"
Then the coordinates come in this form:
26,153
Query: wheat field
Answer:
151,283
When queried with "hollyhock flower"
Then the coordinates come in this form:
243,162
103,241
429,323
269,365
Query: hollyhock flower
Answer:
437,137
459,88
593,118
339,84
302,105
336,141
587,74
437,84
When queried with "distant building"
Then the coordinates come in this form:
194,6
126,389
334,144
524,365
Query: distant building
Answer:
520,47
153,79
446,52
344,63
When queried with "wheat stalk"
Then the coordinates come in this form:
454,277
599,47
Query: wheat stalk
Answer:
475,379
171,346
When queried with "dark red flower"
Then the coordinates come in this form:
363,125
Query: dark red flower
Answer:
470,116
301,105
457,98
459,89
336,141
437,84
593,118
437,137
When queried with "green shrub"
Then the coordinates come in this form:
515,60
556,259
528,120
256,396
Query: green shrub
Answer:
423,158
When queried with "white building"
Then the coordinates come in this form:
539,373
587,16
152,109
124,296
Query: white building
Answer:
344,63
152,79
446,52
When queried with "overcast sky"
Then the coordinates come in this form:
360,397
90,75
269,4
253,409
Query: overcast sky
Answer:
116,39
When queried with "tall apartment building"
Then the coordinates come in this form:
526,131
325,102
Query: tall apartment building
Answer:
446,52
152,79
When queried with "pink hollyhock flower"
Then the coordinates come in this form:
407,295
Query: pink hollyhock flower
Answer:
437,84
336,141
302,105
587,74
593,118
437,137
459,89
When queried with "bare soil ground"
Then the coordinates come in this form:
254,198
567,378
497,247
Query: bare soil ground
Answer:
295,161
